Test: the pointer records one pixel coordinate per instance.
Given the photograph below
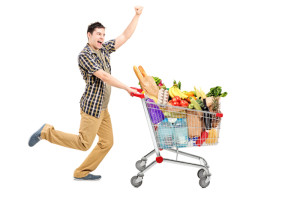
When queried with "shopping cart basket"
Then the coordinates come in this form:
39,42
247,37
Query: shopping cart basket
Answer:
172,128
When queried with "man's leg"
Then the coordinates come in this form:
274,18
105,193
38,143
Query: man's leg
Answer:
101,149
89,126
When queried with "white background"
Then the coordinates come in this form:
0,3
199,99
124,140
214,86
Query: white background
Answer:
250,48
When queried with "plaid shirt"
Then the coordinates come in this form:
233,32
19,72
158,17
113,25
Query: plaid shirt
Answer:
89,62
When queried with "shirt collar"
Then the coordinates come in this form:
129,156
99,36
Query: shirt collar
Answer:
89,49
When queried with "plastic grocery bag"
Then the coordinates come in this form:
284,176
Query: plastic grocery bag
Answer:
156,115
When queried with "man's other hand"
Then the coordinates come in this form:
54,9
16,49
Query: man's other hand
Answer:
138,10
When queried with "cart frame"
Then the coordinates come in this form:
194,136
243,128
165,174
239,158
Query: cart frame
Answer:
203,172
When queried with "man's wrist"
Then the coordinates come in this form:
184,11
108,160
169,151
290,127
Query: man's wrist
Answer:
126,88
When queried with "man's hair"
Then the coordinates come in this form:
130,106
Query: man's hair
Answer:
93,26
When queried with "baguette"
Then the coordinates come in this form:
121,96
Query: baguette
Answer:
142,71
137,73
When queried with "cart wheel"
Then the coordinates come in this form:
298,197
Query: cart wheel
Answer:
134,183
138,165
202,182
201,173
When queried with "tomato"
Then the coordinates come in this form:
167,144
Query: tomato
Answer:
184,103
181,102
174,100
177,98
171,103
176,104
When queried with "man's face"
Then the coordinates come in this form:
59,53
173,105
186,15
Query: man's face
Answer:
97,38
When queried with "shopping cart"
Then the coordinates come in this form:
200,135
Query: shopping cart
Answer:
172,128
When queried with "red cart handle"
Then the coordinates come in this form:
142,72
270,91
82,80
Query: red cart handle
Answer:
140,95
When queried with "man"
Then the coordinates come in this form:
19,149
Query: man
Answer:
94,65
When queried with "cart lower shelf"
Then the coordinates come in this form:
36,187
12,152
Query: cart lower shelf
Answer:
203,172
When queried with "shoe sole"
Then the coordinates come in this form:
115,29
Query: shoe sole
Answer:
39,138
79,179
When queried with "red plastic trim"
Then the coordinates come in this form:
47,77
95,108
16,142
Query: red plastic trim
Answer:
159,159
202,138
137,89
140,95
219,115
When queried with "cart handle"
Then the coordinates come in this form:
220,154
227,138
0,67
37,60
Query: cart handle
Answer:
140,95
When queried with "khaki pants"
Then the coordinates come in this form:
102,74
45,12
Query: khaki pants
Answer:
89,127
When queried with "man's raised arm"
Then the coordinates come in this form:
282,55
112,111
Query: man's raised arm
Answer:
120,40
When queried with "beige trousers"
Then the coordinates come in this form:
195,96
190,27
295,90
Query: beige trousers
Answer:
89,127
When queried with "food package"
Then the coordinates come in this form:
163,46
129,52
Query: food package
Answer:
147,82
173,111
156,115
213,136
215,120
195,123
209,102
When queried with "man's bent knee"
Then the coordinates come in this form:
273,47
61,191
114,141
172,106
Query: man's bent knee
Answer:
106,145
110,144
85,146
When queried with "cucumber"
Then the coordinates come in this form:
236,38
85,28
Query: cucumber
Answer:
196,105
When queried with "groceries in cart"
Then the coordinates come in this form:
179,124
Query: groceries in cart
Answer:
182,118
173,134
155,113
147,83
178,119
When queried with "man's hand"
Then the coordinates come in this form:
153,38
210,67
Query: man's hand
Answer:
130,90
120,40
138,10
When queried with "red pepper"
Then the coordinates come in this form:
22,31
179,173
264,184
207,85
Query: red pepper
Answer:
202,139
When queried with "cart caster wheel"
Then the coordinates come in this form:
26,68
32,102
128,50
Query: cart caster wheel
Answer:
202,182
138,165
201,174
134,183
